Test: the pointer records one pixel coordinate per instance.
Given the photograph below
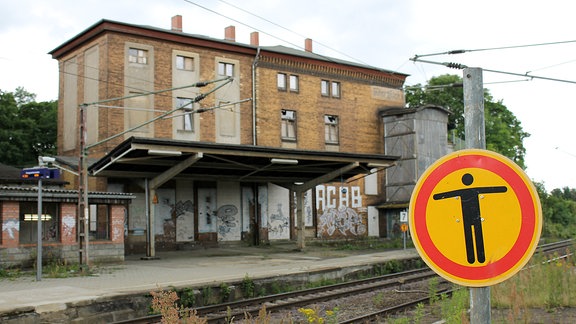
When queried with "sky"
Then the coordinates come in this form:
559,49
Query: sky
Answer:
507,39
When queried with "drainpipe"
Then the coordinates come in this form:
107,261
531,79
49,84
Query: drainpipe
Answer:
254,64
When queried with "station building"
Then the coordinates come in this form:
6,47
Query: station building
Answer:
225,143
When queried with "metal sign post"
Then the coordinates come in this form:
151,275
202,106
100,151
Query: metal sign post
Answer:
474,131
40,173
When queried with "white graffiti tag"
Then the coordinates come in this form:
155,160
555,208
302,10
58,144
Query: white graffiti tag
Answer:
343,219
68,225
10,226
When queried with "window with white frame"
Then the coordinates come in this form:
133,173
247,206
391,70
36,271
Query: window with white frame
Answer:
325,87
294,83
281,81
335,89
186,106
330,88
184,63
136,55
288,82
225,69
288,126
331,129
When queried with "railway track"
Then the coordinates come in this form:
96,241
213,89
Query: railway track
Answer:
222,313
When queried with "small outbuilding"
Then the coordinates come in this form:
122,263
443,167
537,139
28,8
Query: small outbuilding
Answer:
19,219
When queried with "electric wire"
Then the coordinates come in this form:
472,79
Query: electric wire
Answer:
327,58
462,66
462,51
291,31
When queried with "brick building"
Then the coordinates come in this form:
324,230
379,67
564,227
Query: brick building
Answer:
281,144
19,218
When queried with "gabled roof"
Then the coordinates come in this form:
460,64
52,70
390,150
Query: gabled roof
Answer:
106,25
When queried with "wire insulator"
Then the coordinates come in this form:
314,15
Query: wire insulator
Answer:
455,65
457,52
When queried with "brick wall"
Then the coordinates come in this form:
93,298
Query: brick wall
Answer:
10,224
357,109
68,224
117,213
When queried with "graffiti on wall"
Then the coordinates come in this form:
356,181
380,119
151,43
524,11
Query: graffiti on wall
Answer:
68,225
338,210
308,215
10,226
117,228
206,210
184,213
342,219
278,223
227,220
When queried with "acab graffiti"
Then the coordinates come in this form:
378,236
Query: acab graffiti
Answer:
338,206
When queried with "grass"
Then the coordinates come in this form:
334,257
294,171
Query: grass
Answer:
548,285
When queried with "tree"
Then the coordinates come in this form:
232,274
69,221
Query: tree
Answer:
27,128
504,133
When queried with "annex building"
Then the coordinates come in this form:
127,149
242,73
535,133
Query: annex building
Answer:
225,143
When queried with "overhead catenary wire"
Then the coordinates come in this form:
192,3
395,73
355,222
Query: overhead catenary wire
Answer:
291,31
330,59
462,66
462,51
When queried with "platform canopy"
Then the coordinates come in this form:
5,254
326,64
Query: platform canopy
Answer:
164,159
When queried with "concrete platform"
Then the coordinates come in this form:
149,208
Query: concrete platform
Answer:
180,269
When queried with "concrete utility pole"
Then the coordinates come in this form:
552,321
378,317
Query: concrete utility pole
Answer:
474,130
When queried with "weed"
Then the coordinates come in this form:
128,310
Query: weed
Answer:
454,310
419,314
313,315
248,286
188,297
432,290
225,291
378,300
206,295
10,273
164,303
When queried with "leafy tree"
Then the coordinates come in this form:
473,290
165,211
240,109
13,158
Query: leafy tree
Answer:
27,128
504,133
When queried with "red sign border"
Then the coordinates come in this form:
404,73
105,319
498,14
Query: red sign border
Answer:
515,178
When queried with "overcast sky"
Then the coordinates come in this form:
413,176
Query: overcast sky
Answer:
381,33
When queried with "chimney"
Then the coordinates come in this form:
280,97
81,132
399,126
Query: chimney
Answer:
308,45
230,33
254,39
177,23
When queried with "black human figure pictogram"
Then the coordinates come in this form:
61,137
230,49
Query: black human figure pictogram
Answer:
471,214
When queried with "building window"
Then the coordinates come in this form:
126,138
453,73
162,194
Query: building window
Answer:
335,89
281,81
325,88
186,107
139,56
29,222
331,129
330,88
288,125
285,82
294,87
184,63
226,69
99,222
